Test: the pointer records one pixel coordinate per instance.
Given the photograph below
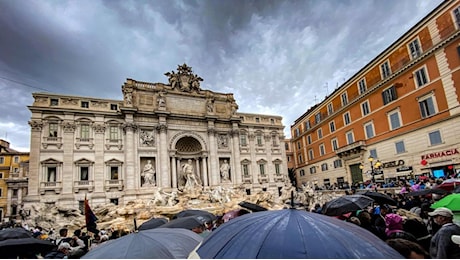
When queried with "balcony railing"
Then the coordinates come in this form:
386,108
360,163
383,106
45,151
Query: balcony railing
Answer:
83,185
352,148
50,186
116,184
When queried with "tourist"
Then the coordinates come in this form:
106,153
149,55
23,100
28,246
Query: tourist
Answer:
442,245
63,251
408,249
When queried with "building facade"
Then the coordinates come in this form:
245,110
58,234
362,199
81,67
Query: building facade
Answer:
13,181
401,110
120,150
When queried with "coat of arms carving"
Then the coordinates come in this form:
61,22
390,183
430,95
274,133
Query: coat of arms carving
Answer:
184,80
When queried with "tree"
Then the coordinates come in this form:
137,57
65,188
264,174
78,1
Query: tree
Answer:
291,174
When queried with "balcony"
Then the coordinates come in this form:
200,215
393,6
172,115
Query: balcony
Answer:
113,184
83,185
279,177
352,150
52,140
263,179
247,179
84,142
50,186
113,143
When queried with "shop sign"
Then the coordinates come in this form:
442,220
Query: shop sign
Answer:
404,169
440,154
393,164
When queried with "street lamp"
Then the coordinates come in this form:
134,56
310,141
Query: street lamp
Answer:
375,165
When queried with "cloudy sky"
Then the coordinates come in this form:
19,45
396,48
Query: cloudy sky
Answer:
277,57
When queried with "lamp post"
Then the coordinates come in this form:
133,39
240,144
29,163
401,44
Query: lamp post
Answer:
375,165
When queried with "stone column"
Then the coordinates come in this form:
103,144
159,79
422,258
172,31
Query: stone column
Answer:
252,149
99,173
130,166
165,180
65,175
270,166
213,159
8,202
197,169
36,126
205,171
235,161
174,172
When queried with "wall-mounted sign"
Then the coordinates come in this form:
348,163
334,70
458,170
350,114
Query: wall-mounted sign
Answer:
440,154
404,168
393,164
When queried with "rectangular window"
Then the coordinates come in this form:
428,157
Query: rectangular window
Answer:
113,133
311,154
385,70
307,125
457,16
1,192
277,169
245,170
317,118
395,121
322,150
335,144
365,109
344,98
332,126
114,201
308,139
262,169
53,129
414,48
85,104
243,140
369,129
427,107
320,133
337,163
373,153
2,160
259,139
327,183
389,95
330,109
257,120
114,173
84,173
362,86
299,145
346,118
16,159
420,77
54,102
300,158
324,167
51,174
350,137
1,175
312,170
302,172
286,146
84,132
16,170
435,137
113,107
400,148
297,132
272,121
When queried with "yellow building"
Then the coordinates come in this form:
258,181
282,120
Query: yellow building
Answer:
13,180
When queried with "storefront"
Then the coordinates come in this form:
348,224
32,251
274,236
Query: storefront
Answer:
441,164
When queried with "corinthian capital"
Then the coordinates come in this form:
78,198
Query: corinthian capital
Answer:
99,128
128,126
161,128
69,127
36,125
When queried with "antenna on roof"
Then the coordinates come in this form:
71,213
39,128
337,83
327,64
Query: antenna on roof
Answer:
315,99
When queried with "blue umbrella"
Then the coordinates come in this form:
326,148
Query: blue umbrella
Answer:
292,233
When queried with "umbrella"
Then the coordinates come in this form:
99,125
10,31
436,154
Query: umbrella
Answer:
426,192
451,202
449,184
14,241
189,222
251,206
345,204
152,223
196,212
380,198
153,243
290,234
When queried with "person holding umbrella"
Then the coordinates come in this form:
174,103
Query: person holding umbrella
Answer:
441,244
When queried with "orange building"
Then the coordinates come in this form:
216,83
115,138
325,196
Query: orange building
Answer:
402,110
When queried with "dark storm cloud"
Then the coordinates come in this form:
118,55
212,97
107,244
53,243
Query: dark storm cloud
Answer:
276,56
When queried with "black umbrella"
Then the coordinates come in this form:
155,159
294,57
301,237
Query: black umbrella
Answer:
152,223
189,222
251,206
18,242
345,204
426,192
380,198
196,212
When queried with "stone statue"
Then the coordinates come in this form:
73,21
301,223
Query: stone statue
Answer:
161,100
128,98
223,142
190,178
147,138
158,199
224,171
210,106
172,78
286,191
148,173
